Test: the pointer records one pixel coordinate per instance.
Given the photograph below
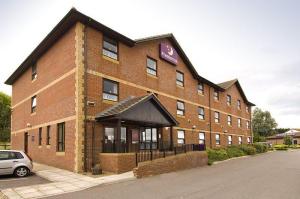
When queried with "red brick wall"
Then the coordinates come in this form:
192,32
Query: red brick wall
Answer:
54,103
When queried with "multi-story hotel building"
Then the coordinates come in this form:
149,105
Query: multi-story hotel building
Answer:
87,87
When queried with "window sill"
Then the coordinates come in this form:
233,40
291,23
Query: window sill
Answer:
152,76
109,101
60,153
201,94
33,114
110,59
48,146
182,116
178,86
202,120
33,80
40,147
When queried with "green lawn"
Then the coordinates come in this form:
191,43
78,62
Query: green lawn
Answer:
3,147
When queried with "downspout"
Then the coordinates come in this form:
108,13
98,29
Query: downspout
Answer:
85,98
251,125
209,106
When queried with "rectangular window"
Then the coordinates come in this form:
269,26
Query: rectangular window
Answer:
229,139
217,139
201,88
151,66
40,136
248,125
229,120
228,100
48,135
216,95
247,109
33,104
201,113
217,117
180,108
201,138
248,140
179,78
239,104
239,122
110,90
180,137
240,139
33,72
61,137
110,48
109,134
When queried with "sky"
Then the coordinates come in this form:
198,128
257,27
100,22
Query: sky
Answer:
256,41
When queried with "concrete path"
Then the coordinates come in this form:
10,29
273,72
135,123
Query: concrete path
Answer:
62,181
273,175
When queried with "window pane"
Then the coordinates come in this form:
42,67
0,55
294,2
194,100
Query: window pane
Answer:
201,136
148,134
123,134
180,105
151,72
110,46
110,54
179,76
109,134
34,102
110,87
180,134
154,134
151,63
217,136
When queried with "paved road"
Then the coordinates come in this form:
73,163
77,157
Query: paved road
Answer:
10,181
269,176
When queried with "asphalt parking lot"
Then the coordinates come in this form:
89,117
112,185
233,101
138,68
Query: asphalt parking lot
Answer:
273,175
10,181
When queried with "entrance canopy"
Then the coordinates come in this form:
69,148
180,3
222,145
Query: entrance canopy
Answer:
145,110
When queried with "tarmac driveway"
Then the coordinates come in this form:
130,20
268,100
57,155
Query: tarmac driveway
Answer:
273,175
10,181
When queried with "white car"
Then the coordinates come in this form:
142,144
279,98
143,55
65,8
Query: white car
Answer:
15,162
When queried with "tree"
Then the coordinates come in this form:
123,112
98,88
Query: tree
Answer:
5,111
288,140
263,124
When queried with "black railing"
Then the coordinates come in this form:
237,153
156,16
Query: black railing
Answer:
143,156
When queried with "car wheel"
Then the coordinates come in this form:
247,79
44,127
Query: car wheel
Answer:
21,172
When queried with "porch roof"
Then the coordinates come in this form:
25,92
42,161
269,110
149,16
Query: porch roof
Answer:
144,109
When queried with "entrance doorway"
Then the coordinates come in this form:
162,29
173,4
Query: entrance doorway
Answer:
26,142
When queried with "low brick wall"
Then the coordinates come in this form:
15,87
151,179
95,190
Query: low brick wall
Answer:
117,162
171,163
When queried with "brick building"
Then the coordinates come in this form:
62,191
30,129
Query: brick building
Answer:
87,89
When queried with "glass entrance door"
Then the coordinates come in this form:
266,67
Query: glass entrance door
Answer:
148,136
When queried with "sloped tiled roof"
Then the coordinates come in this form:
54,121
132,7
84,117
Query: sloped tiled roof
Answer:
121,106
226,85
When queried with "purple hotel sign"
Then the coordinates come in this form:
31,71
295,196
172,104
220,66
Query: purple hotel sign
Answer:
168,53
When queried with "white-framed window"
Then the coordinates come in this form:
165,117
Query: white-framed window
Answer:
201,138
33,104
229,120
249,140
110,90
201,88
201,113
239,106
229,139
240,140
239,122
228,100
218,140
248,125
151,66
110,48
216,95
180,137
33,72
180,108
179,78
217,117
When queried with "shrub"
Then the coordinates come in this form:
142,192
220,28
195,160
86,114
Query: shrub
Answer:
295,146
234,151
260,147
216,155
281,147
248,149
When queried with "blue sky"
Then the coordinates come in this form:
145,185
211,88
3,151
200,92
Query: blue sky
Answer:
256,41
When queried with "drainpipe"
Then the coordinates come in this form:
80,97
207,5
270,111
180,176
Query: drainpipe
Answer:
251,131
209,106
